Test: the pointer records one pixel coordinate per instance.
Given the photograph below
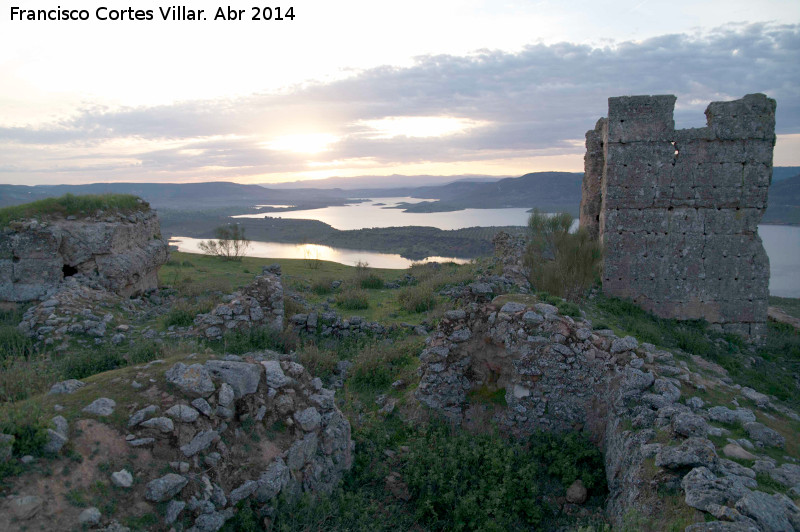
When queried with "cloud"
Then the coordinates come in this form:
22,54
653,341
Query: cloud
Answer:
537,101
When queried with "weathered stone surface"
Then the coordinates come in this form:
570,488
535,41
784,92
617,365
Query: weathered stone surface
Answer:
26,506
141,415
194,380
703,489
122,478
89,517
68,386
678,210
242,492
786,474
164,488
764,435
101,407
273,480
202,406
162,424
275,376
183,413
733,450
692,452
226,395
688,424
243,377
577,493
766,510
210,522
200,442
174,509
726,415
122,254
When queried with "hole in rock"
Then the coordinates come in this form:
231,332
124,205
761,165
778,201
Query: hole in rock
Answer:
69,271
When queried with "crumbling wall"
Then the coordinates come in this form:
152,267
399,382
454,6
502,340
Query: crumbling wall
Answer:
120,252
678,210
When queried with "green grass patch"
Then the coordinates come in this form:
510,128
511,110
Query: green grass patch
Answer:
352,299
71,205
485,394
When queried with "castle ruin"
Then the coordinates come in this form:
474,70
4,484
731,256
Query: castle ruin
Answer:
678,210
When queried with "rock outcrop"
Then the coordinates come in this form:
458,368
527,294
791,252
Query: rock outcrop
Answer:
121,252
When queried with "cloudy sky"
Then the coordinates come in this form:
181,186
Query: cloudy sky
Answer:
360,87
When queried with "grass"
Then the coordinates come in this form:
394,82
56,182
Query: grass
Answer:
768,368
352,299
71,205
789,305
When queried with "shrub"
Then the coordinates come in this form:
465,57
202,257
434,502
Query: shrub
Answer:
372,282
319,362
378,365
322,286
353,299
27,425
256,339
417,298
560,262
231,244
569,457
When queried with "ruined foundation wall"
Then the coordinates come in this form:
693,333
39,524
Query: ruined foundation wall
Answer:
679,209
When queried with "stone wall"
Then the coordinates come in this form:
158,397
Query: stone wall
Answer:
678,210
258,304
122,252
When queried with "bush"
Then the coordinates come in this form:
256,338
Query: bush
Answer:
569,457
231,244
256,339
319,362
372,282
562,263
28,427
322,286
377,365
418,298
353,299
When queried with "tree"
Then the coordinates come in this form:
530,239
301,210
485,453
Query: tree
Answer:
231,244
559,262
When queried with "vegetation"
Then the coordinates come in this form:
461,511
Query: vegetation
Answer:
231,244
769,368
561,263
71,205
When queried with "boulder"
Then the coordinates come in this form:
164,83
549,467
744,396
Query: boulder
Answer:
164,488
243,377
194,380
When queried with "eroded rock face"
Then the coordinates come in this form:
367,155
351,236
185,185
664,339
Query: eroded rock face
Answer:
678,210
120,252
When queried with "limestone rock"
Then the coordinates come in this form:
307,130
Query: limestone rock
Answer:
162,424
764,435
26,506
164,488
68,386
693,452
89,517
726,415
308,419
242,377
199,443
122,478
272,481
733,450
242,492
101,407
174,509
577,493
766,510
142,414
688,424
274,374
194,380
183,413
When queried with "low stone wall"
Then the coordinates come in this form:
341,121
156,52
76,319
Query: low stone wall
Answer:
257,305
121,252
555,373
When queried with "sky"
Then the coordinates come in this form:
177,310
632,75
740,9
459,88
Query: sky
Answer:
354,87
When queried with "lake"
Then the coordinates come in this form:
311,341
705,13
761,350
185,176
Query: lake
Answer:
781,242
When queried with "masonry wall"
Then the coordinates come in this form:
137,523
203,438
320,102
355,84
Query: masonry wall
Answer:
678,210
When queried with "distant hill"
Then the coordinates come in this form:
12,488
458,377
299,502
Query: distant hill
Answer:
784,202
182,196
546,190
381,182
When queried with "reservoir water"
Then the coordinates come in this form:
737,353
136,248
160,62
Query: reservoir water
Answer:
781,242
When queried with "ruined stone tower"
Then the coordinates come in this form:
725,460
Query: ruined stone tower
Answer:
677,210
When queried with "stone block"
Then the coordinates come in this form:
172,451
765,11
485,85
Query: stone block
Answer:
640,118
